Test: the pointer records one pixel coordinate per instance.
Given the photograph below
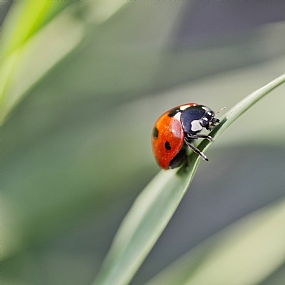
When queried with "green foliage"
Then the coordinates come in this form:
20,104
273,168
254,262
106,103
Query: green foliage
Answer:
82,83
155,206
226,251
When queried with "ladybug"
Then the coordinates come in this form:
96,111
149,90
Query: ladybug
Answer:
175,131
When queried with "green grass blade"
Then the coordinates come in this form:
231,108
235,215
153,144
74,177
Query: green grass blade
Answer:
155,206
142,227
241,107
25,19
27,47
254,246
37,36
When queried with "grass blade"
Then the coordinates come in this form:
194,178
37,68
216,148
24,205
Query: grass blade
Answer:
253,245
155,206
142,226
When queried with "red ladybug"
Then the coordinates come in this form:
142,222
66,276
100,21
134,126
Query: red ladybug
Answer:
175,131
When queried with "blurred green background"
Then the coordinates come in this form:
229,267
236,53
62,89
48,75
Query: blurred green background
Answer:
82,85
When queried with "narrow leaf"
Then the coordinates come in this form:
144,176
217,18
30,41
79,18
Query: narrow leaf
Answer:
254,246
155,206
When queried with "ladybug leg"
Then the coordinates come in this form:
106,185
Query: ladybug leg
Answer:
195,149
199,136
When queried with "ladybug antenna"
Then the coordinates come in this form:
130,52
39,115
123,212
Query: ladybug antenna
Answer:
220,111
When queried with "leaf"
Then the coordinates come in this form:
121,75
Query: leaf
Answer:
37,37
27,32
254,245
155,206
25,20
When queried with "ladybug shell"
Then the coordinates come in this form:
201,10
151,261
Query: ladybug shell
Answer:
168,135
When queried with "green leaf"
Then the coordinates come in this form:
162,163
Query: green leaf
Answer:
254,246
143,225
155,206
27,42
36,37
25,19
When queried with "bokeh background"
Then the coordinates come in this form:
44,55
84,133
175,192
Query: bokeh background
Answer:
82,85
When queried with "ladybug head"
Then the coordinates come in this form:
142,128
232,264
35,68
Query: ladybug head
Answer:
195,118
208,121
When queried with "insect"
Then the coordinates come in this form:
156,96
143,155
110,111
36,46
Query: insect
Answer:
175,131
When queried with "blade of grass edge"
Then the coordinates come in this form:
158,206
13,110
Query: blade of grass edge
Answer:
220,258
155,206
244,105
143,225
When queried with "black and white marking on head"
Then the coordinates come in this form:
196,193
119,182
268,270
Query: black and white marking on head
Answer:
196,126
190,118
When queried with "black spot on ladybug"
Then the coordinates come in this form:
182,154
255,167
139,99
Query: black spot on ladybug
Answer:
167,145
173,112
155,133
